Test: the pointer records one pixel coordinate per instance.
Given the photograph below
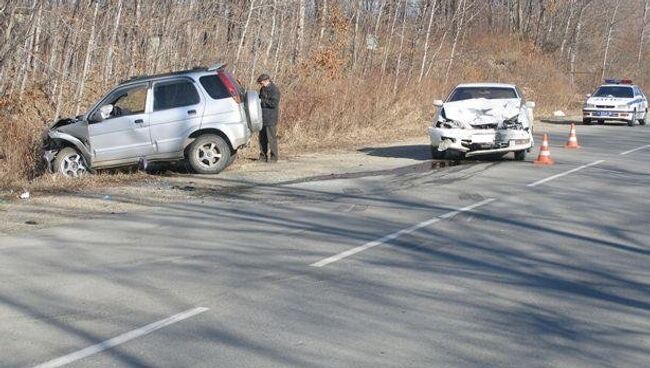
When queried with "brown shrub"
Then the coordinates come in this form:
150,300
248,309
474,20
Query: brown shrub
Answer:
324,105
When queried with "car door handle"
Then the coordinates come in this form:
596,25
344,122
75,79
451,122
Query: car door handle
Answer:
191,112
139,121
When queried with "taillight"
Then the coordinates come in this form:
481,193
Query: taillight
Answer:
230,86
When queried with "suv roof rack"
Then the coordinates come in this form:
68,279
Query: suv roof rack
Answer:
136,78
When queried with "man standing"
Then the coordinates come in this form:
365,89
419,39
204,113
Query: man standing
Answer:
270,98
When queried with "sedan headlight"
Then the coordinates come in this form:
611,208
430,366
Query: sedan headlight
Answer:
450,124
623,107
589,106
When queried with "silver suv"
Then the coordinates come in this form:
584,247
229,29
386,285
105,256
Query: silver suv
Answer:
202,115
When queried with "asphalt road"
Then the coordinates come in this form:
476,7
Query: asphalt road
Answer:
477,265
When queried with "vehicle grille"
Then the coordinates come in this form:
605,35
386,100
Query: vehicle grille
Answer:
604,107
485,126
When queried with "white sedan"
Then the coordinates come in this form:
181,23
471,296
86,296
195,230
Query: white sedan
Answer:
482,119
618,100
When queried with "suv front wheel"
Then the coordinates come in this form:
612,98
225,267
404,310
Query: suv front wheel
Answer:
209,154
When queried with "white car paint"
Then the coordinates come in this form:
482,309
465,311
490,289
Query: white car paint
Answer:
616,108
480,126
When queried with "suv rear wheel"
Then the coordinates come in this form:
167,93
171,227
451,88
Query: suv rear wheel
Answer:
209,154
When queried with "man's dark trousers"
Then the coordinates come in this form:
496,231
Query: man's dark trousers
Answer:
269,141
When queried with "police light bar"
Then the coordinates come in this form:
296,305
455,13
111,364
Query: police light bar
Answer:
618,81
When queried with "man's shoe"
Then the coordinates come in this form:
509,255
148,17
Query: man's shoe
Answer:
273,160
264,158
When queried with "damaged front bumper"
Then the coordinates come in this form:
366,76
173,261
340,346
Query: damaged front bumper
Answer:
475,142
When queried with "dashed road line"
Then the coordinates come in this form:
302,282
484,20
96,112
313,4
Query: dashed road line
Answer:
546,180
634,150
121,339
395,235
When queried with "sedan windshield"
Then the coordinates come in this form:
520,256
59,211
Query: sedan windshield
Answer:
613,91
490,93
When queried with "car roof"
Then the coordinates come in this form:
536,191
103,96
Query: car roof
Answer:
497,85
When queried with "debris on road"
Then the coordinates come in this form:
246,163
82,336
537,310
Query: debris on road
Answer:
24,195
559,114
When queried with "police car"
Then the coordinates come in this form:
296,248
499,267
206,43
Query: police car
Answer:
618,100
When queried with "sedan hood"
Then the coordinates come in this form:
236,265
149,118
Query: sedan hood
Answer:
480,111
610,100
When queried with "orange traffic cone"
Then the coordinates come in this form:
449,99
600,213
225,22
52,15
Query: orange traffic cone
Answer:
573,140
544,157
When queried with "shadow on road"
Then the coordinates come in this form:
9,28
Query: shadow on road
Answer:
420,152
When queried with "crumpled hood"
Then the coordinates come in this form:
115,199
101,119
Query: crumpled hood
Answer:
481,111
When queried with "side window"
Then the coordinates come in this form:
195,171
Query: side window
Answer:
127,102
168,95
214,87
521,95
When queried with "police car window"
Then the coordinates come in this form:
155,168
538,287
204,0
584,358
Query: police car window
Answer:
169,95
614,91
491,93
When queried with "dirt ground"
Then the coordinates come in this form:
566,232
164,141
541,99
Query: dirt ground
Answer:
164,186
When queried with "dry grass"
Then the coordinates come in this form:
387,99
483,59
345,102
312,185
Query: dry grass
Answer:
323,107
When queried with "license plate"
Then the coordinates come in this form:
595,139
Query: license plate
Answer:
603,113
482,138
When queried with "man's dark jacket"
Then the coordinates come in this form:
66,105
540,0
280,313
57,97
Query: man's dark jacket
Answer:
270,97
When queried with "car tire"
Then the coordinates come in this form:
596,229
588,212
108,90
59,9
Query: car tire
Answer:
209,154
521,155
601,122
437,155
586,121
454,155
69,163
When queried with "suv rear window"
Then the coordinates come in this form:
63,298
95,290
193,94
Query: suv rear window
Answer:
214,87
168,95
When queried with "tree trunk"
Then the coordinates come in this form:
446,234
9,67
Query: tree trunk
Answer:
426,39
111,44
401,46
608,40
642,33
300,32
459,30
89,49
243,34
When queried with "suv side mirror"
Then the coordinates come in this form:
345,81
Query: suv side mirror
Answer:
530,104
437,103
588,95
96,117
102,113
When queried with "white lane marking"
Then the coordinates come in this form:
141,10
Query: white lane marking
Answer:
395,235
121,339
634,150
565,173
